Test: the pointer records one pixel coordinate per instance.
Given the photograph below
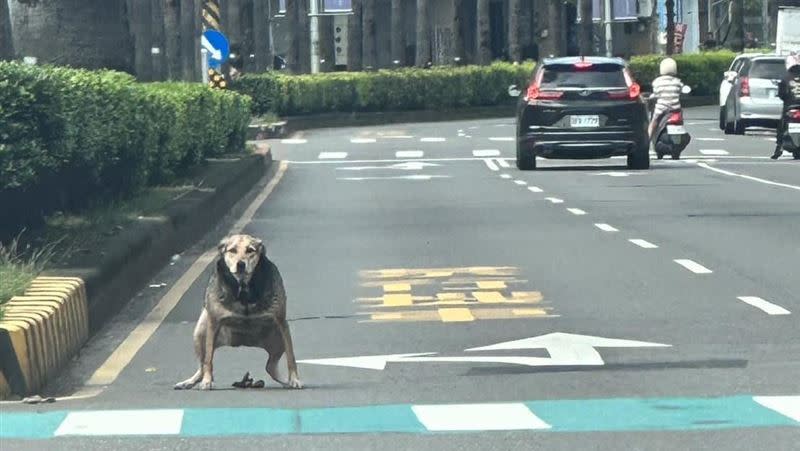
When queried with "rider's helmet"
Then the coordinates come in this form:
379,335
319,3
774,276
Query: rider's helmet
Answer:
668,67
793,63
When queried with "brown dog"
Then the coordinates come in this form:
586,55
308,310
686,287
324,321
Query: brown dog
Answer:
245,305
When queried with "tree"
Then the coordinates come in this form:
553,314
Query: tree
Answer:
368,35
423,54
458,30
514,16
736,33
190,11
262,47
141,27
484,51
172,38
587,28
670,26
293,31
6,43
398,33
354,42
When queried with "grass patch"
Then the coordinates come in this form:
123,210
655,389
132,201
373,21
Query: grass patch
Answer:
265,119
18,268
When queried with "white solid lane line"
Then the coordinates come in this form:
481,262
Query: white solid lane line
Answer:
693,266
501,138
748,177
767,307
535,189
520,182
478,417
491,164
505,176
710,139
397,137
362,140
409,154
332,155
714,152
785,405
486,153
606,227
643,243
555,200
503,163
576,211
432,140
294,141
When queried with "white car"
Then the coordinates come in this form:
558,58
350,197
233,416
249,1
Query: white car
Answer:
728,80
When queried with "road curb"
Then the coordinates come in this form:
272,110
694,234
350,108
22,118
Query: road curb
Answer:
39,343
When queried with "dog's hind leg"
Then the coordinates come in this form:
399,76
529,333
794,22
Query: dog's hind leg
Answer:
199,337
291,363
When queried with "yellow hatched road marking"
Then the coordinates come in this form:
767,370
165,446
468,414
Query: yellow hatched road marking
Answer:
489,297
491,284
391,287
453,315
486,314
393,300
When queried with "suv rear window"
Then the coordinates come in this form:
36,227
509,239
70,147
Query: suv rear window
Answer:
772,69
597,76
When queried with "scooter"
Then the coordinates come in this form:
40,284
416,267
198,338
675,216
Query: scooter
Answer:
670,136
791,139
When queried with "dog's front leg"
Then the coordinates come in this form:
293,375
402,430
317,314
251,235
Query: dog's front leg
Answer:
207,364
291,363
199,340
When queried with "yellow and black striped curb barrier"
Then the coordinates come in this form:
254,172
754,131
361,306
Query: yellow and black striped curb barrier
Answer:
40,332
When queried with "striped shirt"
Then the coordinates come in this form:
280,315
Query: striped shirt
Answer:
667,90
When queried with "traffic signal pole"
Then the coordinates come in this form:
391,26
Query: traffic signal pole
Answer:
608,28
314,34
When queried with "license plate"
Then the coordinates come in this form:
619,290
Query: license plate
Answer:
676,130
584,121
794,128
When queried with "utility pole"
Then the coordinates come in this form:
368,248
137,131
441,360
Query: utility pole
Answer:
609,29
314,34
765,23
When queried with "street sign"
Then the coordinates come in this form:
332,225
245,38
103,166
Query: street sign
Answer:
564,349
217,46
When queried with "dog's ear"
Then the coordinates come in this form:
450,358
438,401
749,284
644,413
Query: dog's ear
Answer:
222,245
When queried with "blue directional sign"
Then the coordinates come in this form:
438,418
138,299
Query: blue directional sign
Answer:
217,46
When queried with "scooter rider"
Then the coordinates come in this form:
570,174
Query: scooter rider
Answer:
789,92
667,91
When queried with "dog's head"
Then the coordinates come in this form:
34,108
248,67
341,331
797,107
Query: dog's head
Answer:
241,255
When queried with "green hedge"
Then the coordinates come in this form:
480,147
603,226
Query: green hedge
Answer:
71,137
438,88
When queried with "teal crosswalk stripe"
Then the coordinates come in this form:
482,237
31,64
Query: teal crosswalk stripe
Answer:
616,414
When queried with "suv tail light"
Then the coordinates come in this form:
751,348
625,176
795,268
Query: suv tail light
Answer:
675,118
534,93
793,115
633,92
744,90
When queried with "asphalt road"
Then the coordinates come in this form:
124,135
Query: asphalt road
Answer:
424,239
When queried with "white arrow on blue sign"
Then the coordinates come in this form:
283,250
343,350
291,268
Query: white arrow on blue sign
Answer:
217,46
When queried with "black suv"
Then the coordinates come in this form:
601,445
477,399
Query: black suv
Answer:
582,108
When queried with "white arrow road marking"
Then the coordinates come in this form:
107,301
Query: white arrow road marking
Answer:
491,164
767,307
502,162
693,266
486,153
399,177
216,54
408,166
369,362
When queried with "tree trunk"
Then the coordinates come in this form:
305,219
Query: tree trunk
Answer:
261,35
458,32
736,36
6,42
158,55
587,28
172,38
398,36
368,35
292,25
187,39
670,27
483,47
556,27
355,55
514,35
327,49
140,17
304,51
424,56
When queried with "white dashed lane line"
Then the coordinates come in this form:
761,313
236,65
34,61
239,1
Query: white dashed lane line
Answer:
555,200
486,153
491,164
501,138
397,137
362,140
332,155
409,154
433,140
606,227
503,163
767,307
576,211
520,182
535,189
643,243
294,141
693,266
505,176
710,139
714,152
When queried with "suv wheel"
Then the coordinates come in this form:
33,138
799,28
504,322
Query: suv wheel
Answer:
738,127
722,122
639,158
526,160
